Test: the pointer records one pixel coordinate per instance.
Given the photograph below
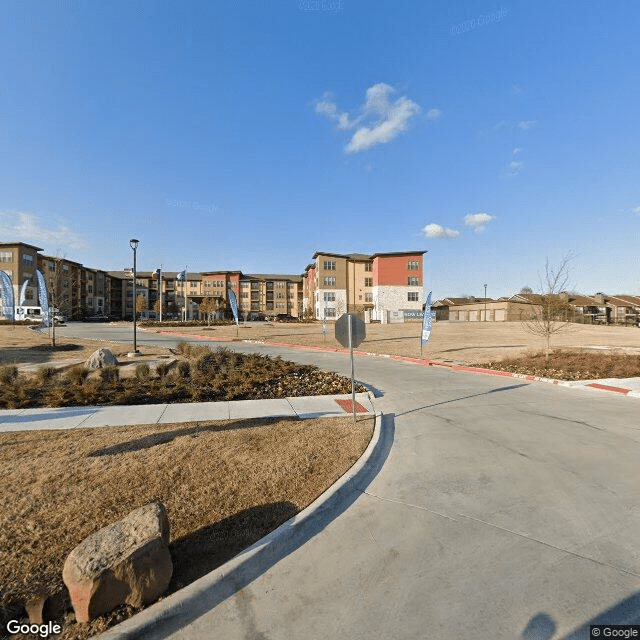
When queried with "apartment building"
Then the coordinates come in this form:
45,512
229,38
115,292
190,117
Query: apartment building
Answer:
384,287
271,294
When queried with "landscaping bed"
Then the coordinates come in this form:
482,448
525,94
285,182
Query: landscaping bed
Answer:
196,374
570,365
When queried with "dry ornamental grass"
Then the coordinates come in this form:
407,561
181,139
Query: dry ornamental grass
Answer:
225,485
571,365
203,376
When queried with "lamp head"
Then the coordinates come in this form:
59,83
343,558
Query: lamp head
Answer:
134,243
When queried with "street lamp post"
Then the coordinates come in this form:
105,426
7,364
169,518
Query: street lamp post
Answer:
485,302
133,243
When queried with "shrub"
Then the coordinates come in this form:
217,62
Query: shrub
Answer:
78,375
183,369
110,373
8,373
143,372
206,363
183,347
46,374
162,369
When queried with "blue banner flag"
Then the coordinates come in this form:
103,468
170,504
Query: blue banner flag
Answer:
233,301
181,276
426,320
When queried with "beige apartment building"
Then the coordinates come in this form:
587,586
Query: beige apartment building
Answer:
382,287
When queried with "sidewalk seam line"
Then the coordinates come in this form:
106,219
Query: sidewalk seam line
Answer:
408,504
551,546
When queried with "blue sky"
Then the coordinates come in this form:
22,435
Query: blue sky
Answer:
248,134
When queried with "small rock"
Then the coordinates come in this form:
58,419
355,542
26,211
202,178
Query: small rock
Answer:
100,358
127,562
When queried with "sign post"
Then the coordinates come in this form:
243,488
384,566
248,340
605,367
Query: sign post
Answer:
350,331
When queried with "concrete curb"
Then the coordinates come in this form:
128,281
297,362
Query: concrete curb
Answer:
179,609
427,363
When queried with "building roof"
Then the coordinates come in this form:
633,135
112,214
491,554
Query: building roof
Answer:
365,256
20,244
273,276
627,299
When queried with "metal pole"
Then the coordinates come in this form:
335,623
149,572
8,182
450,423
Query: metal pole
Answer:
160,291
485,302
353,383
135,346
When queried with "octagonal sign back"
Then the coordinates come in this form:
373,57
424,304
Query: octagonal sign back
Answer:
358,331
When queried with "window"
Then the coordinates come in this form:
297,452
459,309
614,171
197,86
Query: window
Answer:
368,266
244,294
368,282
6,256
65,268
413,265
412,296
368,297
27,259
329,265
330,312
330,296
413,281
329,281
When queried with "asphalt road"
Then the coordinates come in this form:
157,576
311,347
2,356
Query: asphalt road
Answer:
505,509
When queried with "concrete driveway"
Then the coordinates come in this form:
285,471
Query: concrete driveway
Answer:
505,509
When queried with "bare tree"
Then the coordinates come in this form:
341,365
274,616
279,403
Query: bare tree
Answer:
550,309
208,306
59,287
141,304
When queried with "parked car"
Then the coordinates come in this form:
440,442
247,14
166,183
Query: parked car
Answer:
100,317
285,317
58,318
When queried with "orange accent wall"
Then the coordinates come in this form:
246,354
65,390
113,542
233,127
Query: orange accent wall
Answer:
393,270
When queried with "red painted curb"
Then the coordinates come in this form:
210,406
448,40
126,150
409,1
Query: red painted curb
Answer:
424,363
347,405
606,387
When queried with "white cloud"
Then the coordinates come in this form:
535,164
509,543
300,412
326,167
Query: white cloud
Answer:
525,125
503,124
515,167
433,114
636,210
478,221
26,227
382,120
434,230
327,108
516,89
516,151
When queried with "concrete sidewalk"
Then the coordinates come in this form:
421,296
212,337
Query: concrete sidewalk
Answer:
75,417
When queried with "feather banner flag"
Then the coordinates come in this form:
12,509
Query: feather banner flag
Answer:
426,321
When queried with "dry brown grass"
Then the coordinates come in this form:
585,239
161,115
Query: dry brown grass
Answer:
21,345
225,485
459,342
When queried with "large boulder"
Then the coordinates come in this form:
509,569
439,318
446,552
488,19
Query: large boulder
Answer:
100,358
127,562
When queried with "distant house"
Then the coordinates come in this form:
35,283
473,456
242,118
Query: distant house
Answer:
623,309
472,309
